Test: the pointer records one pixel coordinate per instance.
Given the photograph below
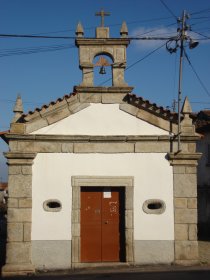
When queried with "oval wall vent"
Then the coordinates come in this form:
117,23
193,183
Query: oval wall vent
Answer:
52,205
154,206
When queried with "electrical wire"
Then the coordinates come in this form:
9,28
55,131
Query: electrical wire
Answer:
34,48
203,29
196,74
146,56
40,49
167,33
133,64
50,37
193,24
199,102
207,37
154,30
25,102
201,11
111,25
200,17
169,10
23,51
35,36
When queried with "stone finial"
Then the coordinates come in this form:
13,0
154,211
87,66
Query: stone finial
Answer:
124,30
186,108
18,108
79,31
187,128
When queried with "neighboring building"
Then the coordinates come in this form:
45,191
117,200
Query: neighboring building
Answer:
95,177
3,197
202,123
3,223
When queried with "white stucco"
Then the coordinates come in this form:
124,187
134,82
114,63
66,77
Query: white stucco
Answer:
101,119
153,179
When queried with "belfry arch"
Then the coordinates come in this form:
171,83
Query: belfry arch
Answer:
102,44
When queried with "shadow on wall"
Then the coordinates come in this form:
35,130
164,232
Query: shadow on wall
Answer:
3,235
204,213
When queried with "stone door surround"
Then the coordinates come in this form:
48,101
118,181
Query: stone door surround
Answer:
102,181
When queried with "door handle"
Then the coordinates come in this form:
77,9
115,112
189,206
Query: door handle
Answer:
106,222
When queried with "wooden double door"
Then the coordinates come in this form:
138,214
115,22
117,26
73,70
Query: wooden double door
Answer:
102,224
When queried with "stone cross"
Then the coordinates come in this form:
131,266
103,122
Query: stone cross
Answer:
102,14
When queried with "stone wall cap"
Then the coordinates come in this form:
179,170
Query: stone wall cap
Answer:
95,90
19,155
86,138
102,41
183,156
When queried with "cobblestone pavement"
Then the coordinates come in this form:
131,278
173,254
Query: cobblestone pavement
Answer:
204,252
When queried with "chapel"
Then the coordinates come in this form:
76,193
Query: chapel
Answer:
96,177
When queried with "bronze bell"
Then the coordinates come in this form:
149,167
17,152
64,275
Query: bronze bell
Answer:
102,70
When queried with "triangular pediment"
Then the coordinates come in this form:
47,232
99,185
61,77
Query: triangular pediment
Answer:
101,119
98,114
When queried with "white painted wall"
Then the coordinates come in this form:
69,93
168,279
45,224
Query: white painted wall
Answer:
153,178
101,119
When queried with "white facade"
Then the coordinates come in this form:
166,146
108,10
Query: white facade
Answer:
153,179
52,179
101,119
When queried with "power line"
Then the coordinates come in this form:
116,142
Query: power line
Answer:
200,17
133,64
201,34
203,21
34,48
170,11
151,38
24,51
203,29
111,25
40,49
66,37
150,53
36,36
157,29
201,11
26,102
199,79
199,102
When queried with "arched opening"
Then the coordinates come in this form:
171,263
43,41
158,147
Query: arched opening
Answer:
103,75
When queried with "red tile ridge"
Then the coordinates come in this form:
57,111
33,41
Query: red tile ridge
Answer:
45,106
151,106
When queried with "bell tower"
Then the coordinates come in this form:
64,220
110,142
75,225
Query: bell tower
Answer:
103,46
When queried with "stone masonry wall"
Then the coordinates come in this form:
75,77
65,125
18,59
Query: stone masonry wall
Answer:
185,208
18,255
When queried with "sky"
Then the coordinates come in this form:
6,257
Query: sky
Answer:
42,70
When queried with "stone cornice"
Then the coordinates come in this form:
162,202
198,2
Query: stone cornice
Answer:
184,158
113,89
181,156
87,138
101,41
20,158
18,155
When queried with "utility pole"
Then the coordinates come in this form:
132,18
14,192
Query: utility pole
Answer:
179,42
173,106
182,39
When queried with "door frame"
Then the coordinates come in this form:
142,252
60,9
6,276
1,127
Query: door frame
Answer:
102,181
